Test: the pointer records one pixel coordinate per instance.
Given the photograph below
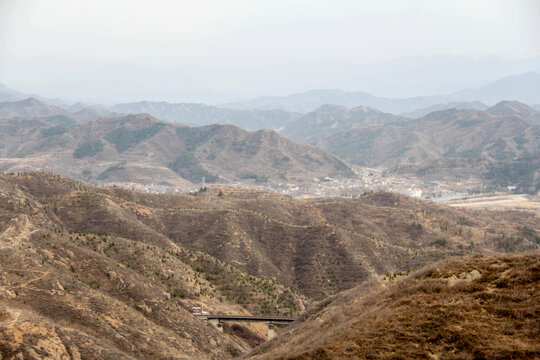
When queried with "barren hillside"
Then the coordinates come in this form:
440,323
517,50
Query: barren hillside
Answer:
332,119
495,145
141,149
112,273
471,308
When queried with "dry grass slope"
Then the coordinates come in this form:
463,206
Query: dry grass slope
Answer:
440,312
110,273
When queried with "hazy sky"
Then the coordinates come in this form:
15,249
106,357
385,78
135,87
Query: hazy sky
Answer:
112,50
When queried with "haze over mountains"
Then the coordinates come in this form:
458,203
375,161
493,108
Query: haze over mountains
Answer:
30,107
475,105
269,180
90,269
201,114
498,145
522,87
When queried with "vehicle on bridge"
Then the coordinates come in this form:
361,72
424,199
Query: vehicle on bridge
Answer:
198,310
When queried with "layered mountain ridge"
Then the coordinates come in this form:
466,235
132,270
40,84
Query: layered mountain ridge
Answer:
141,149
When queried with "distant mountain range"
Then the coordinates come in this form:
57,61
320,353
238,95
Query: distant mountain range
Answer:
187,114
450,137
142,149
34,108
30,107
278,113
333,119
7,94
494,144
313,99
522,87
463,105
447,134
515,108
201,114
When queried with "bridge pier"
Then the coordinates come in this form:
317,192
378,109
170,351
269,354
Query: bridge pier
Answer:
216,323
271,321
271,331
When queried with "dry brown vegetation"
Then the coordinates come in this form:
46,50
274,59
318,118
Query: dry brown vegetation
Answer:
111,273
429,315
319,247
74,293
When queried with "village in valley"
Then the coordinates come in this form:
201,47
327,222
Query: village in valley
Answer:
469,193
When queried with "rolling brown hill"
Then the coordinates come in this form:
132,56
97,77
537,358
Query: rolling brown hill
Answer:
515,108
456,144
112,273
20,136
451,134
470,308
332,119
319,246
141,149
68,293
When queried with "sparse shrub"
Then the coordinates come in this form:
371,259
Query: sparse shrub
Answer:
124,138
88,149
508,243
531,234
188,166
256,177
464,221
439,242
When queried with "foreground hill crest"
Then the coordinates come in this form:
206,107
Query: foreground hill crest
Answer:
475,307
87,270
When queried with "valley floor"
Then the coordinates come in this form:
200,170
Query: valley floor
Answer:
498,202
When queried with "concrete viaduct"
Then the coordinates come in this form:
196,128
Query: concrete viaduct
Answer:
216,321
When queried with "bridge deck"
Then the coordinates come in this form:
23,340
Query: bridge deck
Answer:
262,318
